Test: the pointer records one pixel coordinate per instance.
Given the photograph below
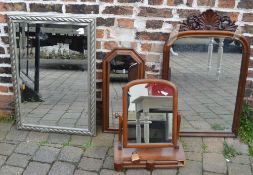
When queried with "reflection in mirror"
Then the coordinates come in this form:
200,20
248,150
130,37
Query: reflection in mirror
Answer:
206,71
123,69
150,113
53,74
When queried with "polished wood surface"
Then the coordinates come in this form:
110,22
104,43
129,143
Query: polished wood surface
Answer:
139,69
150,158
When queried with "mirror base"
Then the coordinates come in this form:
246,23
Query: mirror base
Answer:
150,158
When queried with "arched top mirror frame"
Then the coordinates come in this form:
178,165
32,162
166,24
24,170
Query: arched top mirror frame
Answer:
106,79
207,24
175,125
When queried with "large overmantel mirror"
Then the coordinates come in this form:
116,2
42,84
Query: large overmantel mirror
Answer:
209,64
120,66
54,73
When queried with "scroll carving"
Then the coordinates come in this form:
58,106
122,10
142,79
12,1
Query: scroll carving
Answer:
208,20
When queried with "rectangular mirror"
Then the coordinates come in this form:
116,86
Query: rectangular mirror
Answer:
53,64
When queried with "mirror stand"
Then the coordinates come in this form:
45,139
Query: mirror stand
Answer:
150,105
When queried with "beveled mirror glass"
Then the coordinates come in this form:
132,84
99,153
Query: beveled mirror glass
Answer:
206,71
208,62
120,66
121,69
53,61
150,112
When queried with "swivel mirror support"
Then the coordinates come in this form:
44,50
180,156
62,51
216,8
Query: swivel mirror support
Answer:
149,127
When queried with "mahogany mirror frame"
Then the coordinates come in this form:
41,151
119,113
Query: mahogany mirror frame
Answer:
185,32
106,80
175,129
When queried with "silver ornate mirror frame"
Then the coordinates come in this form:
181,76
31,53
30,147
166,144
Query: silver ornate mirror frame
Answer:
90,23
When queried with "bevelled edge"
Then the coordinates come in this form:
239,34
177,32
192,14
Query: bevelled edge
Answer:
208,20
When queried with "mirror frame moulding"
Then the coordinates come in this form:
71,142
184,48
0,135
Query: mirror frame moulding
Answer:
176,120
90,22
242,77
106,80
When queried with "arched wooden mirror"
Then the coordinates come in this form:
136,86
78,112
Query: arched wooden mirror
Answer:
149,126
209,65
120,66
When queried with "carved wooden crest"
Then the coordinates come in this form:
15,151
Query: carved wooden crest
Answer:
208,20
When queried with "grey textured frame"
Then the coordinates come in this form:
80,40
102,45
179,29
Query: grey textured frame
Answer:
67,19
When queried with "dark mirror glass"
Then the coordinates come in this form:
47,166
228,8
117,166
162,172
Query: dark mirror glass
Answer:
206,71
150,111
122,69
